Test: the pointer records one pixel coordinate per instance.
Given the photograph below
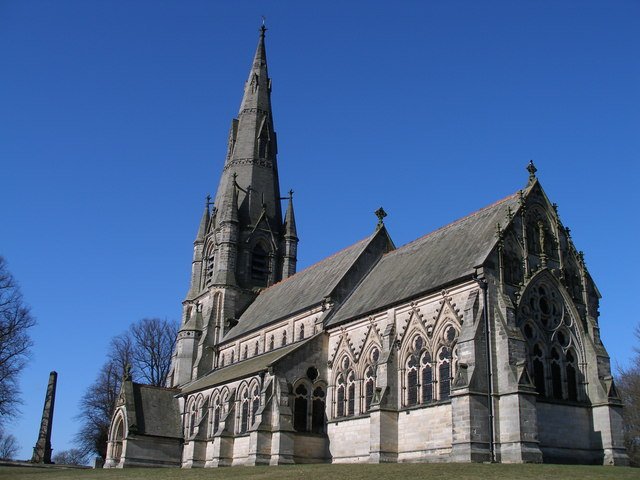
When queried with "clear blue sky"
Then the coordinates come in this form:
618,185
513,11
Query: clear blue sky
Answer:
114,119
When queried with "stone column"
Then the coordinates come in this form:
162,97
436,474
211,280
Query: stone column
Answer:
42,450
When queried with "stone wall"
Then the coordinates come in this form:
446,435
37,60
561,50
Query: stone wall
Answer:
424,434
349,440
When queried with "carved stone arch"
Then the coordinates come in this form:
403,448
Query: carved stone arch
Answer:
442,333
344,345
365,360
407,347
372,336
117,434
415,317
119,423
568,320
209,260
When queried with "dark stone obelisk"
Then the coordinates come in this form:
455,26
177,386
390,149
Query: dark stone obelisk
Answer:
42,450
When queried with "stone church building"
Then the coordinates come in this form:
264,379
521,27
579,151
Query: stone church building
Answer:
477,342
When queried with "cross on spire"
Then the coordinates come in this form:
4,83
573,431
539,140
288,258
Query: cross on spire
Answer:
380,213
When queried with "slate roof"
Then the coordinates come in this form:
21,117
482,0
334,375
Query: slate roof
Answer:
157,411
428,263
244,368
298,292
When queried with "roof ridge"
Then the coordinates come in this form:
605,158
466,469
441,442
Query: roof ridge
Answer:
318,263
455,222
146,385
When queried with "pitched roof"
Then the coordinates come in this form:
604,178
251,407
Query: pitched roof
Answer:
244,368
300,291
428,263
157,411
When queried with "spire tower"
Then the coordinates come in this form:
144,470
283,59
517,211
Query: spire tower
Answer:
243,244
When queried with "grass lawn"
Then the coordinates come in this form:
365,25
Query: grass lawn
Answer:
332,472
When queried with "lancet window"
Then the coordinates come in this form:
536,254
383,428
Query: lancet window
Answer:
309,404
429,368
260,266
553,338
345,389
209,265
216,414
249,405
301,334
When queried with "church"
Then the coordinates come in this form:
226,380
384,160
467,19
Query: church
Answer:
478,342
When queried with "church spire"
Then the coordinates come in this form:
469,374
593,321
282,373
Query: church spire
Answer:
253,147
290,241
204,221
290,220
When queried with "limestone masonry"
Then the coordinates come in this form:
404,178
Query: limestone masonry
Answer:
377,353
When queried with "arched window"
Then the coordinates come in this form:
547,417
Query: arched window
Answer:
256,348
351,393
572,380
426,377
345,389
284,338
300,408
539,376
118,437
317,410
255,404
209,266
369,385
556,374
232,356
245,352
444,373
340,396
260,266
216,413
301,335
272,342
192,418
244,411
263,141
412,381
221,360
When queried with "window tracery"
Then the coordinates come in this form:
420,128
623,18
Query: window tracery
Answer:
430,366
554,341
345,389
309,407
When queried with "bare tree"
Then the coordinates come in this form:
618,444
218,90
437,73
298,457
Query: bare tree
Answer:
146,348
74,456
153,341
15,342
8,446
96,407
628,382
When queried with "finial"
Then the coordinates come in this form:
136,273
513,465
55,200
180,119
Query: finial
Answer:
126,375
380,213
531,168
263,28
499,231
208,202
290,194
